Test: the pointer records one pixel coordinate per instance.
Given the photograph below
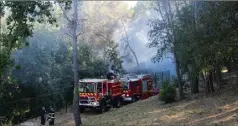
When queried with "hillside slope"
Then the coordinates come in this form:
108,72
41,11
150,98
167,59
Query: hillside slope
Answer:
199,110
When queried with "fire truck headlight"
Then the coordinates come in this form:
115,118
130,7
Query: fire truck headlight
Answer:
123,95
127,95
95,103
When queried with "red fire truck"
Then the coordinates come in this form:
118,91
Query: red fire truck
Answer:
131,89
147,85
137,87
99,94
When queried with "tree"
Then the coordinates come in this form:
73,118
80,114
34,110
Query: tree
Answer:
202,43
19,25
52,75
103,21
73,26
112,55
162,35
212,23
187,51
126,40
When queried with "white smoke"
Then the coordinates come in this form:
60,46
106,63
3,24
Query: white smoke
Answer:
137,31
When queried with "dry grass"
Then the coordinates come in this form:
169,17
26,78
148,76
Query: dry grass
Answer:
215,110
199,111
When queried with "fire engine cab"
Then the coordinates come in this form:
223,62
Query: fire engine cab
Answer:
135,87
147,85
99,94
131,89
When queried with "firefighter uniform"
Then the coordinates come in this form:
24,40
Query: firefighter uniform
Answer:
111,75
51,117
43,115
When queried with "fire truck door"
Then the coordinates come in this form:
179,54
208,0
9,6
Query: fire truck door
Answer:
144,86
149,85
105,88
137,87
99,87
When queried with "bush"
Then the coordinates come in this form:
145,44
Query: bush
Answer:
167,93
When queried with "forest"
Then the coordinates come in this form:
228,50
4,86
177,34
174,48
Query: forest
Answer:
47,46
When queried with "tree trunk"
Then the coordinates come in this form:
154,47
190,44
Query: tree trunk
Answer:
236,80
203,78
194,79
195,85
218,77
66,106
76,112
128,44
179,78
206,84
209,83
170,22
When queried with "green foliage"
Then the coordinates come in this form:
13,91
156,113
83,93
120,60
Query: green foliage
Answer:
141,8
112,55
44,65
36,69
202,35
176,82
167,93
90,65
19,25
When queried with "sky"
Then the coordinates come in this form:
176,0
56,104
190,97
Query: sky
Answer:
131,4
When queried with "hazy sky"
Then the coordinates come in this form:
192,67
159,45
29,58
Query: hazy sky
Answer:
131,3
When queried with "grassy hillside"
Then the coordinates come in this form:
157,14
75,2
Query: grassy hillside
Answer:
197,110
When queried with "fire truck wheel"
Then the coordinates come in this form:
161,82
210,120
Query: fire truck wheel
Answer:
117,102
136,98
133,99
82,109
102,107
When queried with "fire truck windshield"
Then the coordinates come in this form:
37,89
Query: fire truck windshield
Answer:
86,87
124,85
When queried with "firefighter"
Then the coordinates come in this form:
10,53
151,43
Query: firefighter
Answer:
51,117
111,75
43,116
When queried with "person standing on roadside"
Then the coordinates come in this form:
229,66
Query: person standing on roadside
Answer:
43,116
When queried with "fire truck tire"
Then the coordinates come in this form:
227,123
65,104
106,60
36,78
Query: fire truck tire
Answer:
150,95
82,109
133,99
117,102
118,105
102,107
136,98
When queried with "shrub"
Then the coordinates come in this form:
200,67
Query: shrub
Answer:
167,93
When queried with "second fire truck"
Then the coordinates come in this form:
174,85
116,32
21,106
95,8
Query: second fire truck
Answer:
136,87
